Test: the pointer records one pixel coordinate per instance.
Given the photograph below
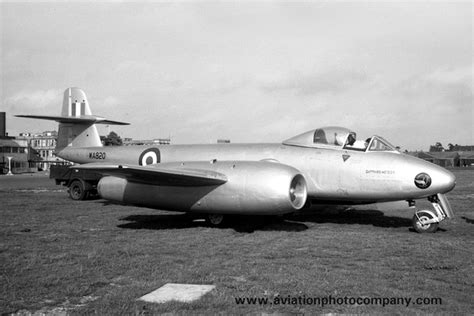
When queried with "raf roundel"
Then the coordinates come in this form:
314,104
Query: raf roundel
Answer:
149,157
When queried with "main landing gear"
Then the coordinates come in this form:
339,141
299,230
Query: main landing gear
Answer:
215,220
427,221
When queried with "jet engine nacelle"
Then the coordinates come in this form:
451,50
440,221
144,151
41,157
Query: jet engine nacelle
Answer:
252,188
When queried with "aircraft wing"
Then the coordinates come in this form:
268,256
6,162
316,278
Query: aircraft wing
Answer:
157,175
85,119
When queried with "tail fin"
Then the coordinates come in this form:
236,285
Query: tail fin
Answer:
76,134
76,123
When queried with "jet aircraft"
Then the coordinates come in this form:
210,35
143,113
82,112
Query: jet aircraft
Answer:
326,165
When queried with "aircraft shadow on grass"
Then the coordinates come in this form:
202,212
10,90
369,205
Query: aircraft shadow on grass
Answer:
468,220
249,224
361,217
243,224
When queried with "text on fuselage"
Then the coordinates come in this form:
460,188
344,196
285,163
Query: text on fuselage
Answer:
380,171
97,155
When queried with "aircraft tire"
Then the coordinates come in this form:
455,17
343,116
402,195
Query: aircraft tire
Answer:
423,228
77,190
215,220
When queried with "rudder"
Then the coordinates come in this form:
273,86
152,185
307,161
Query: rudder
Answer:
75,103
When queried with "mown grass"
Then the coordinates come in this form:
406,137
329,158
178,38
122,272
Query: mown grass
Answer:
95,257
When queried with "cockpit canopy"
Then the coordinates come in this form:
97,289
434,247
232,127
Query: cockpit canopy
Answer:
339,138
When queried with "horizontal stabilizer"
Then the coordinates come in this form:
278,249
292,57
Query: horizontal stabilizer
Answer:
158,175
84,119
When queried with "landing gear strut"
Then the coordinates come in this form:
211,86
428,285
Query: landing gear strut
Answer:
427,221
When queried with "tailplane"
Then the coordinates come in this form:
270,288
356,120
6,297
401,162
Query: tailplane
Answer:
76,123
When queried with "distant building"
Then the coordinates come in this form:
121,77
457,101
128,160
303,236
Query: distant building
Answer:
149,142
41,149
447,158
18,151
443,159
9,147
461,148
466,158
3,126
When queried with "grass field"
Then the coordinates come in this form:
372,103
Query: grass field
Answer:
65,257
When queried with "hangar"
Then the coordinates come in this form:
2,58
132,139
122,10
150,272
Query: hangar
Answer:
443,159
466,158
447,158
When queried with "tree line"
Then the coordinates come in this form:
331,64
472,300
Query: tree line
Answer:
438,147
113,139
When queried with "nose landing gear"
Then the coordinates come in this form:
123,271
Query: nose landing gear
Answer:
427,221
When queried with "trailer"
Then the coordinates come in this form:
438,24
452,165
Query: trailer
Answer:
82,184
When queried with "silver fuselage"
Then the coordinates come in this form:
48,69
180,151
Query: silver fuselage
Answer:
331,174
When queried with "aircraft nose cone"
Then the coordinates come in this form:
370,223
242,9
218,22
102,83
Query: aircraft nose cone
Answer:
429,178
450,180
443,180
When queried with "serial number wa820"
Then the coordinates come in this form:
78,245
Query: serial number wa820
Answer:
97,155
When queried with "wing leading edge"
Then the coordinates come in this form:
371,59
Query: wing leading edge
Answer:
84,119
158,175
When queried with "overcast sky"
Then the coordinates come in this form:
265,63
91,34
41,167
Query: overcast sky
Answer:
245,71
